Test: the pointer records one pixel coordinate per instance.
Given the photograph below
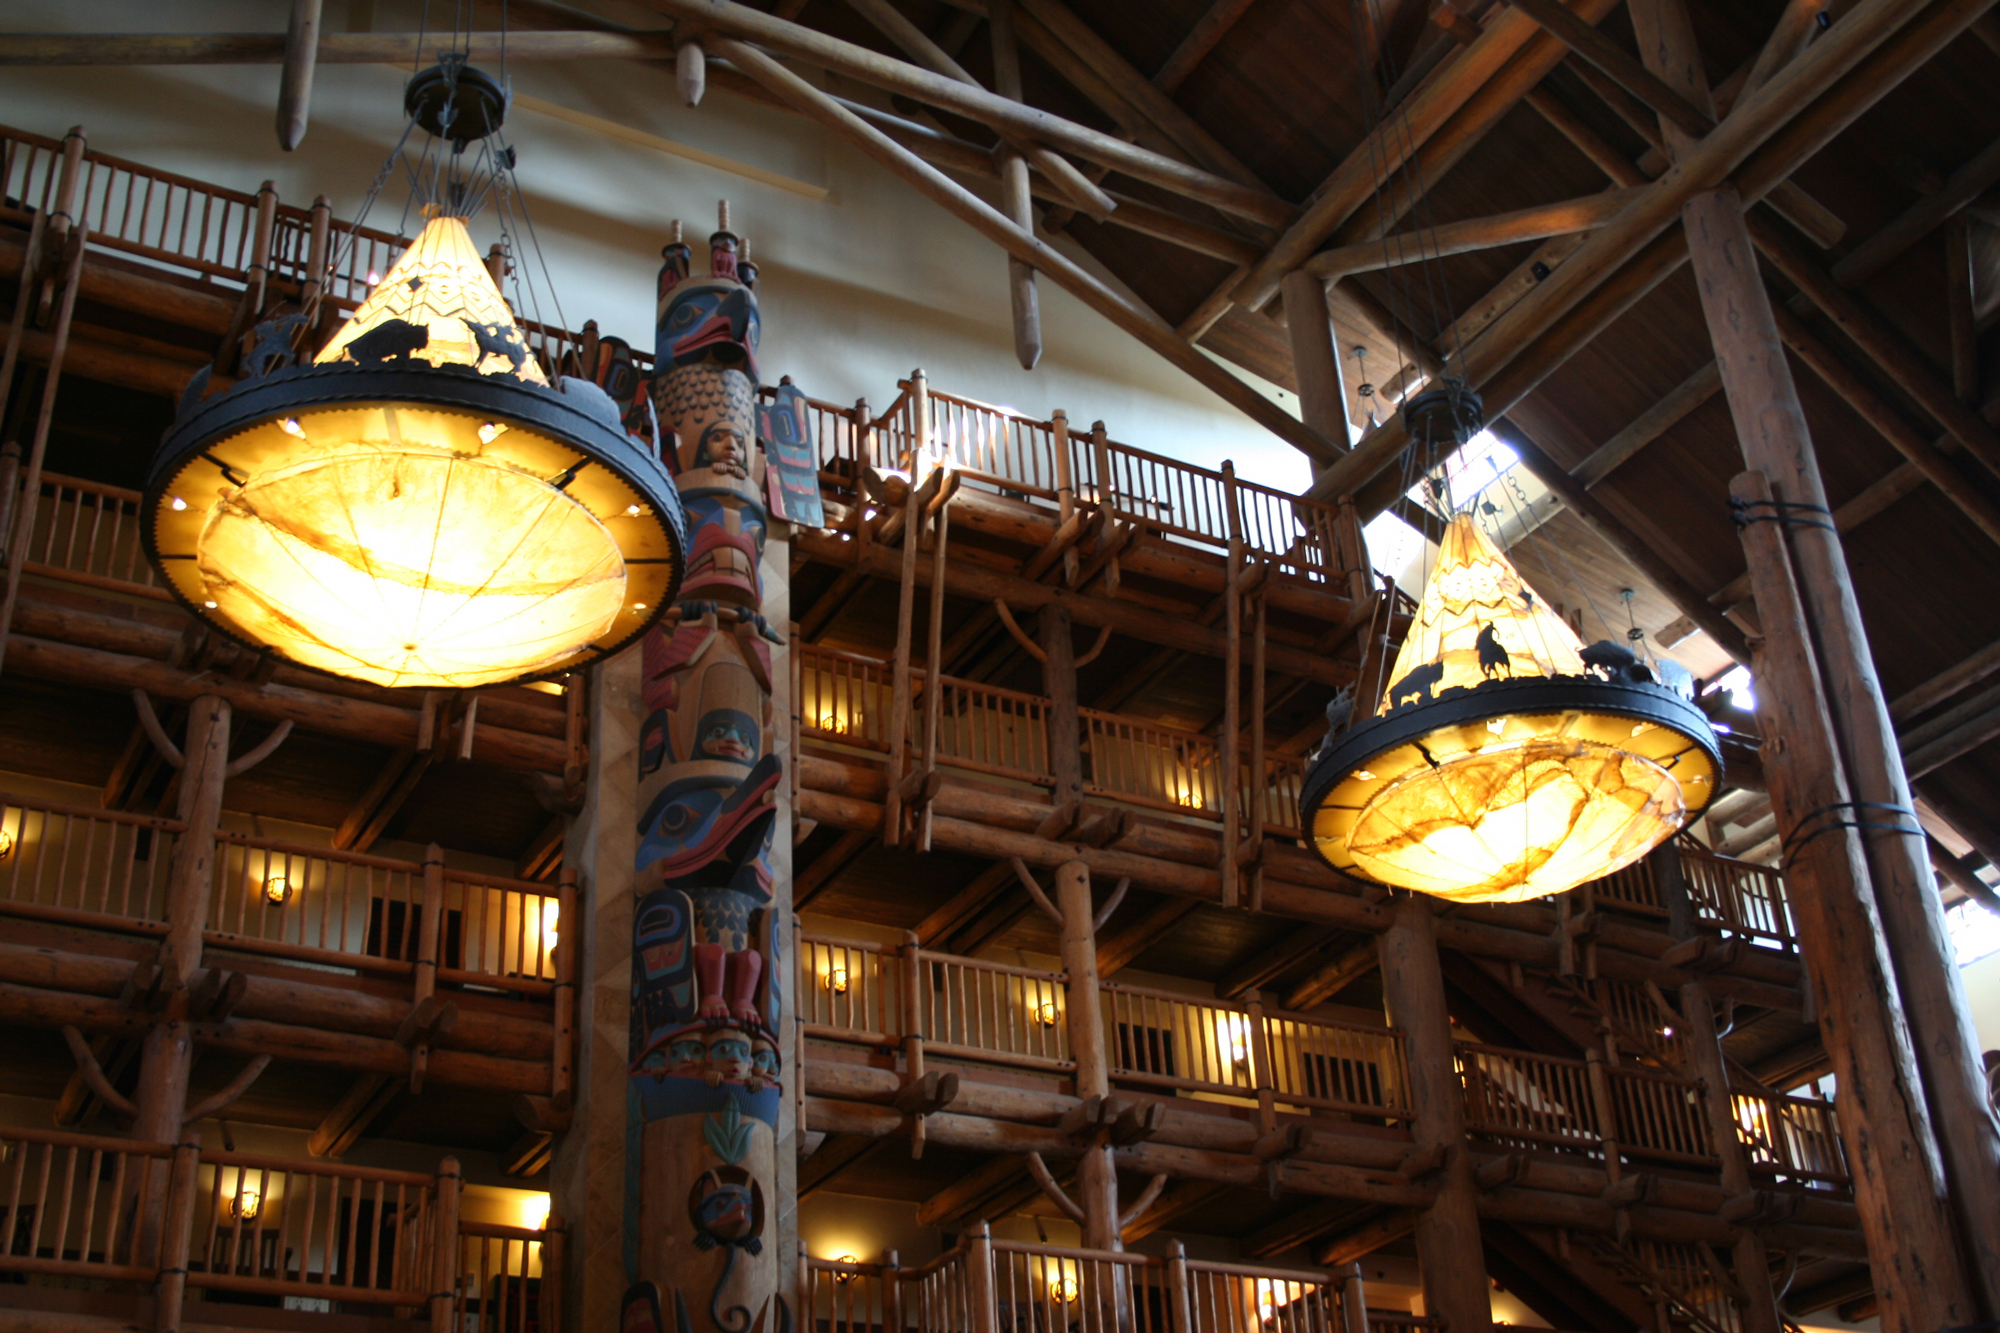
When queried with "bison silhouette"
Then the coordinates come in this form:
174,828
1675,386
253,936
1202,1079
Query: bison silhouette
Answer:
392,339
1615,662
1417,684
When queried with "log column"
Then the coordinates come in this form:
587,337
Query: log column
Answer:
166,1056
1707,1063
1096,1178
1949,1112
1448,1245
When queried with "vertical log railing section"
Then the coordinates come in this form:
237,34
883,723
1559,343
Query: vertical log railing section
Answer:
984,1284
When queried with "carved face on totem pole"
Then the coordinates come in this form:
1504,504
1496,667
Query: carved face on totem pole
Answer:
706,1064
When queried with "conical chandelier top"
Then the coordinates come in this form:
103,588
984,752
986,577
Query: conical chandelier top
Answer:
437,304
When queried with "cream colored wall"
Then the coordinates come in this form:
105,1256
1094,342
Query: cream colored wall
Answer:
857,287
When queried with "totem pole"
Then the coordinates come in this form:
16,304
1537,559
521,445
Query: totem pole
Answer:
707,966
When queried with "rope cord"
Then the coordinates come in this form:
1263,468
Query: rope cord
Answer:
1820,822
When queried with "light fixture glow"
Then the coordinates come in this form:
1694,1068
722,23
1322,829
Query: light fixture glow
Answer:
277,890
1047,1014
418,508
6,843
839,1276
247,1204
836,980
1506,762
179,503
1063,1289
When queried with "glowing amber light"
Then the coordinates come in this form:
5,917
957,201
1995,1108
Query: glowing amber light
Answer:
836,980
1500,767
1063,1289
277,890
377,521
247,1204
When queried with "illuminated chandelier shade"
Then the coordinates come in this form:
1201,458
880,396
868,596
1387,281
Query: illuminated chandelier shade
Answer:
1506,761
418,507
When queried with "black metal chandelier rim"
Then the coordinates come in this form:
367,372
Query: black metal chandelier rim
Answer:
306,388
310,387
1542,694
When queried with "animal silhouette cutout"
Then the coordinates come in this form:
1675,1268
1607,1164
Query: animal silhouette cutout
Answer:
1493,655
1615,662
1417,684
392,339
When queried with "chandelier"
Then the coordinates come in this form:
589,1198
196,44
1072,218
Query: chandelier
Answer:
418,506
1506,760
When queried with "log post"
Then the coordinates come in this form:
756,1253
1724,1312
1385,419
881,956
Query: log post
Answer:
1016,201
934,651
63,217
1704,1048
913,1031
166,1052
555,1256
1315,355
1096,1180
864,462
1899,1185
1251,853
1353,1300
980,1293
1258,1040
1065,724
1771,424
562,1074
423,977
319,243
1448,1245
260,248
171,1294
444,1246
899,670
1180,1306
295,84
1232,711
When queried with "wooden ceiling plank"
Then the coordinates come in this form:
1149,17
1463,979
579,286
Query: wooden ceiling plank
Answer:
1333,976
1946,683
1953,733
1364,1240
362,1104
836,1153
1964,185
1649,425
1207,33
1762,141
1182,1198
1117,950
1352,185
1258,970
1582,37
816,878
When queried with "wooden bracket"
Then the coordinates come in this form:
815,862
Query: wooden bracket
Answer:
1028,645
1423,1162
93,1074
251,758
1093,1119
540,1115
1040,1171
1287,1141
1703,953
927,1095
1110,905
1103,637
1628,1190
235,1088
149,721
428,1019
1137,1122
1759,1208
142,987
1501,1172
214,994
1035,891
1057,547
1147,1198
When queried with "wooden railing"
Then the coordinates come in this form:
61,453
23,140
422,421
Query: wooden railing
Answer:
78,866
875,995
844,699
76,1205
508,1280
1791,1138
985,1285
968,1008
1529,1100
367,912
283,1227
986,729
1745,899
86,532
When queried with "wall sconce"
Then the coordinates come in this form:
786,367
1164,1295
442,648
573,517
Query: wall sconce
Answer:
836,980
1047,1014
1063,1289
277,890
6,844
551,919
246,1204
846,1277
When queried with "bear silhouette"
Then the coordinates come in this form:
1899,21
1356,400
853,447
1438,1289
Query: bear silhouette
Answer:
1417,684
